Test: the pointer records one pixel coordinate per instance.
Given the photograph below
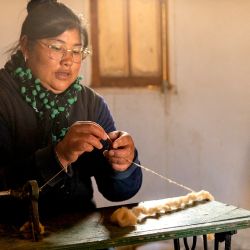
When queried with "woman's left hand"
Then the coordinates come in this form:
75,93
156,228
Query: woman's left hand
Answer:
122,151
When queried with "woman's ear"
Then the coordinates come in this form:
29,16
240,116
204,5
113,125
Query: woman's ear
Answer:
24,47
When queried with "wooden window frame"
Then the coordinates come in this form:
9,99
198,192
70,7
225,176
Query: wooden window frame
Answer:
113,81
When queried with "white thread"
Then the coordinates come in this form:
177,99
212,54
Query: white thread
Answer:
161,176
138,165
51,179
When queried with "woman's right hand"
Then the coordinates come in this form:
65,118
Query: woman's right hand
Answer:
82,136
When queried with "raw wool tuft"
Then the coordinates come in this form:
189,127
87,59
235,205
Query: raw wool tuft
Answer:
125,217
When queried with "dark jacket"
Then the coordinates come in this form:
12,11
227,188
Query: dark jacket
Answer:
25,153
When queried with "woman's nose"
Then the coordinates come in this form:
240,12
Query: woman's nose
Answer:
67,58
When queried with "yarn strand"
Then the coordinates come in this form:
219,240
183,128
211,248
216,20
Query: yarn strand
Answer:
161,176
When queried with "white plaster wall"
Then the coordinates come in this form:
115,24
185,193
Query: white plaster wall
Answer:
12,14
210,117
197,134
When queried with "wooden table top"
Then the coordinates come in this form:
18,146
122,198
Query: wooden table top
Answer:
95,231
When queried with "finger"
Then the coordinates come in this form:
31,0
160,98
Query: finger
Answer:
120,168
117,161
114,135
119,153
87,147
122,140
88,140
89,123
85,142
92,128
95,130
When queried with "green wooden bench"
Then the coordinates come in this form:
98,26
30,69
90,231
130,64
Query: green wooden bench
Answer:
95,231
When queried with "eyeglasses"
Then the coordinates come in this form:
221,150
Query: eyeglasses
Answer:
58,51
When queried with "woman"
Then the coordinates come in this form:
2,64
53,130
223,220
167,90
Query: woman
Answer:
53,129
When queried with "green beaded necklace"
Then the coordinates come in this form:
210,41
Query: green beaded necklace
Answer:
46,103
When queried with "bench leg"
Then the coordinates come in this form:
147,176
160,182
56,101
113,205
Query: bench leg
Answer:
193,245
205,242
177,244
225,236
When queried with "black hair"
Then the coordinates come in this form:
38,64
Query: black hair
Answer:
49,18
45,19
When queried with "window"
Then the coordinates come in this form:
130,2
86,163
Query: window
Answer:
128,42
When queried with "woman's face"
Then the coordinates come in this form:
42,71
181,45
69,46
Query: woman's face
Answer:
56,73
